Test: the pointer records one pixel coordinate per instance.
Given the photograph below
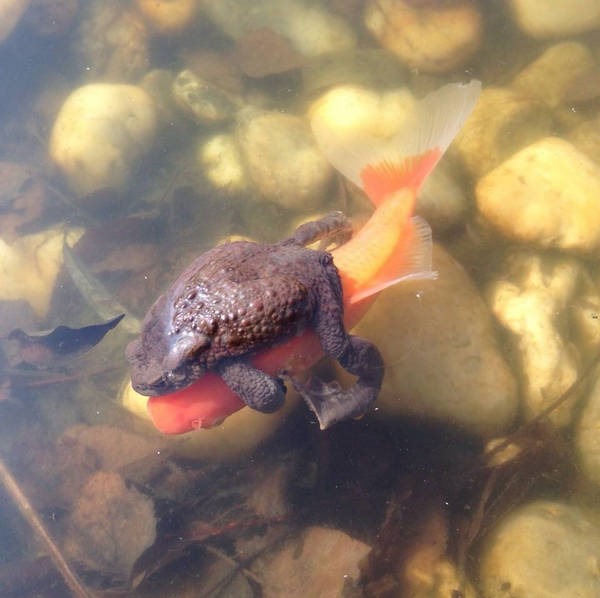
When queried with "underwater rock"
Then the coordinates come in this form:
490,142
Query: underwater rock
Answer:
501,123
221,162
587,435
51,18
100,133
545,548
308,25
204,101
168,17
442,359
532,298
441,200
434,37
159,84
11,12
30,265
111,42
547,194
296,569
236,437
586,138
559,18
359,110
375,68
549,77
282,159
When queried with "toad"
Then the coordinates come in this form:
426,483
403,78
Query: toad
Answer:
241,297
245,315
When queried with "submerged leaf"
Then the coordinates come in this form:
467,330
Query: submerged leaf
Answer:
263,52
94,292
48,348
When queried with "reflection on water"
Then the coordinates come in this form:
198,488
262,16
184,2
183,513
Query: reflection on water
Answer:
140,134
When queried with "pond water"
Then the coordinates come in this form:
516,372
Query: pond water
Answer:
136,135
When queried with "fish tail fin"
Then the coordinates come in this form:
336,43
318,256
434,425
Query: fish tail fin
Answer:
384,165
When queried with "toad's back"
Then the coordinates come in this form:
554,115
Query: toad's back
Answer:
242,296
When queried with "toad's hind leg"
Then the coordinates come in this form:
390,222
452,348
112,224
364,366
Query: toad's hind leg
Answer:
256,388
329,401
334,224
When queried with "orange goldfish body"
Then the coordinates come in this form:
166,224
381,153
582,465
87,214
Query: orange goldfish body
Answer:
393,246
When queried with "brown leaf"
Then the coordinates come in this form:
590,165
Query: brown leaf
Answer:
263,52
51,348
111,525
131,258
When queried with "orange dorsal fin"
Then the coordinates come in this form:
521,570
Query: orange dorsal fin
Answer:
384,178
384,164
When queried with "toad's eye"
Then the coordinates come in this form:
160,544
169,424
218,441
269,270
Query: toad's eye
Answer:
184,349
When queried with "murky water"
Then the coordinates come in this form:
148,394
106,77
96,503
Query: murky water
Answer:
136,135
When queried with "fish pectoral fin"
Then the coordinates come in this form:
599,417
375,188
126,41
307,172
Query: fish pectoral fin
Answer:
411,261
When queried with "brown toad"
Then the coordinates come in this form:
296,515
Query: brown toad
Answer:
242,297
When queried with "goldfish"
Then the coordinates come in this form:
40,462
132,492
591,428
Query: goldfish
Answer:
393,246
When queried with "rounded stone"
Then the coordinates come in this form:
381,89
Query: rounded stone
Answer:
502,122
547,194
111,42
168,17
201,99
533,297
441,200
354,110
432,37
587,435
282,159
442,359
309,26
100,133
220,160
559,18
546,549
11,12
549,77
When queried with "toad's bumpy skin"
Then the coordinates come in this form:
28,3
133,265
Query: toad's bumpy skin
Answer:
241,297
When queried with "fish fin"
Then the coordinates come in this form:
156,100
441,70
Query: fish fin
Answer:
411,261
383,165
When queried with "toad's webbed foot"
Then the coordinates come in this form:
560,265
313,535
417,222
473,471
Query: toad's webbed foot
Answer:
256,388
330,402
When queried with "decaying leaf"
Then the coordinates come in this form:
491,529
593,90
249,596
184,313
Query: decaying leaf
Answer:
51,348
111,525
262,52
94,292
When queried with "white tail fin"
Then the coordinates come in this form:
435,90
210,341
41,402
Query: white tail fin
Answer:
428,130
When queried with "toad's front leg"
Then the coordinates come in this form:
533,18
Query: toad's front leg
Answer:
256,388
